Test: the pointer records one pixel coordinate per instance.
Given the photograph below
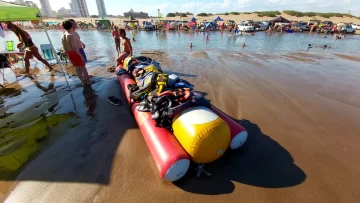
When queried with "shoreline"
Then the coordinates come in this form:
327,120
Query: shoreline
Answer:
274,96
357,32
236,18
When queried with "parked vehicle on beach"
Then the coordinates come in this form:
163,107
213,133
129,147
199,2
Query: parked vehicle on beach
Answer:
148,25
249,22
327,23
229,23
245,27
347,28
184,22
356,26
302,26
258,25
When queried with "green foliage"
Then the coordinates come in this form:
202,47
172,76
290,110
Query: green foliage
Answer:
226,13
202,14
170,15
178,14
312,14
210,14
234,13
267,13
94,16
247,13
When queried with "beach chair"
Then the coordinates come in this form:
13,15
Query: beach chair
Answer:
47,51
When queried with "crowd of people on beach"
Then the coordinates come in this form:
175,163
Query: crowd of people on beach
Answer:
73,47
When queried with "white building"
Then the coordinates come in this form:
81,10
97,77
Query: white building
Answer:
19,1
64,12
47,11
101,8
30,3
79,7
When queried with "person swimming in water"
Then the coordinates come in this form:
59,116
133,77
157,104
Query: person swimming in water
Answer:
243,45
309,46
30,48
127,48
191,45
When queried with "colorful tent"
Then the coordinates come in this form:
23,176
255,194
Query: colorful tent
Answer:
218,19
193,19
14,12
279,20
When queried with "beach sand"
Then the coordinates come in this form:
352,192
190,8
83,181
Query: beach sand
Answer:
236,18
302,114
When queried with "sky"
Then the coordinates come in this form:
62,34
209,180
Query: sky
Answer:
118,7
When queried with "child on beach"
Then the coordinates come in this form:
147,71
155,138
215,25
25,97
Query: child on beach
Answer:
127,48
72,45
116,36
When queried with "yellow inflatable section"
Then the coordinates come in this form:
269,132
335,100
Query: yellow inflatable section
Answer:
202,133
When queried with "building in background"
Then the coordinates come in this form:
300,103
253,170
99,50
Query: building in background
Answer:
19,1
64,12
54,13
30,3
46,8
101,8
136,14
72,7
79,7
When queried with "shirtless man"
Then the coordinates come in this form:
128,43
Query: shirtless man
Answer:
127,48
72,46
78,36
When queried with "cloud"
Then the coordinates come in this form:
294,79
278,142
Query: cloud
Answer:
215,6
276,1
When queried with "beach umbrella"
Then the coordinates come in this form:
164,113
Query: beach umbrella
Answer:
218,19
279,20
193,19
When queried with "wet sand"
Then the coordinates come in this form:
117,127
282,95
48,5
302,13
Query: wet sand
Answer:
302,117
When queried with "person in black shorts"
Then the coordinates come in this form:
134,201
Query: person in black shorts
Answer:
30,48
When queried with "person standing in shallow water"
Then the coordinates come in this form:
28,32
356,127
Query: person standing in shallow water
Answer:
127,48
30,48
82,51
116,36
72,45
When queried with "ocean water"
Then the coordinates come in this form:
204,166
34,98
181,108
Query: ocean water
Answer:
100,45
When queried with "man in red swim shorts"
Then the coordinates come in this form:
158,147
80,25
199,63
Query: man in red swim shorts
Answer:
72,46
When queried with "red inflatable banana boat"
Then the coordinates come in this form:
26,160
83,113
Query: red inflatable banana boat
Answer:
169,156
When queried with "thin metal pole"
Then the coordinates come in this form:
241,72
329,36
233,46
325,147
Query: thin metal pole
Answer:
57,59
62,69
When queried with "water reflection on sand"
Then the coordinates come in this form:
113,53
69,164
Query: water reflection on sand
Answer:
295,104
